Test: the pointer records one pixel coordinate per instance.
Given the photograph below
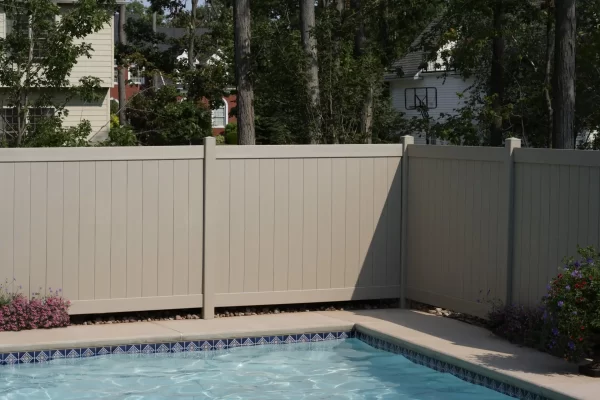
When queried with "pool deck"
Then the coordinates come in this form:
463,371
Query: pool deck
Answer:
449,340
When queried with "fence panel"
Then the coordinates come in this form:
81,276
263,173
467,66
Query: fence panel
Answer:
557,207
115,229
455,237
307,224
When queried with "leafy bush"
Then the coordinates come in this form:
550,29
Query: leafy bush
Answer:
572,304
18,313
231,134
518,324
220,139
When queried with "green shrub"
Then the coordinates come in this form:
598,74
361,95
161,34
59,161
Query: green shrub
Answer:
572,307
220,139
231,136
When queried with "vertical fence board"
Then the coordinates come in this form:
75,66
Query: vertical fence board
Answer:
222,241
7,215
135,221
252,225
39,195
70,248
102,246
338,223
594,207
296,223
181,226
150,227
324,210
352,222
393,217
87,229
196,229
310,230
380,226
118,234
281,228
237,220
267,225
54,251
535,222
165,227
366,222
583,197
544,259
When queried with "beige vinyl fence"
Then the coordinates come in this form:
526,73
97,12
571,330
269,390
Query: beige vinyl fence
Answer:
149,228
126,229
493,224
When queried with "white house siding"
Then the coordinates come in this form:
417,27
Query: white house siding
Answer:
2,24
101,63
447,99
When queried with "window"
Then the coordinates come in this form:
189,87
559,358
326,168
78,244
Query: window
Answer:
135,76
9,121
115,73
420,97
21,25
219,116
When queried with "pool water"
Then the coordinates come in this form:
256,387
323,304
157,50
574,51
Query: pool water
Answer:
348,369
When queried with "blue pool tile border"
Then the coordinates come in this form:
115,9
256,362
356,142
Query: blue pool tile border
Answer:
449,368
44,356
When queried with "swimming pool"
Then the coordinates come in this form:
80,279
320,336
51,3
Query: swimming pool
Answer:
338,369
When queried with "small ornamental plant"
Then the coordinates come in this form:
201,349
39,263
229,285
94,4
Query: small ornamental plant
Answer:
17,312
572,311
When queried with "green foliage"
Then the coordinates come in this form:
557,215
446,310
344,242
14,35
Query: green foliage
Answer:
573,307
231,134
220,139
114,107
37,54
50,133
160,117
120,136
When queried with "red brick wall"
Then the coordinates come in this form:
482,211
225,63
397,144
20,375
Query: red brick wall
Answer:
130,90
231,104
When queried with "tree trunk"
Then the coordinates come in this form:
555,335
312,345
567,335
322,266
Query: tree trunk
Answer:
563,88
309,44
191,52
497,74
245,93
121,69
548,76
366,118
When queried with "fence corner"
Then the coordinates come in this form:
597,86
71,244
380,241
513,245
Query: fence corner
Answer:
210,226
405,140
510,144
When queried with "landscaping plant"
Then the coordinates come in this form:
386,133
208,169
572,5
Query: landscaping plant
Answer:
572,310
17,312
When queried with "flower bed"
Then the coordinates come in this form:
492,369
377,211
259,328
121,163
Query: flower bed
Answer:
17,312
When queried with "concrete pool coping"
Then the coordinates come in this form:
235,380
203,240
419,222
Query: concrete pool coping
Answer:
457,343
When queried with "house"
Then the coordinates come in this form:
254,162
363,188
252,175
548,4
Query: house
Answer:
136,81
419,86
100,65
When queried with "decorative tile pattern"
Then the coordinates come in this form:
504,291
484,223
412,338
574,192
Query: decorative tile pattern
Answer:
444,367
188,348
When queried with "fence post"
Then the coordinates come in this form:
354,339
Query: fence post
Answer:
510,145
210,225
405,140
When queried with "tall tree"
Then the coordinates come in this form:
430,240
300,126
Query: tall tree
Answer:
360,39
191,49
245,92
121,68
563,134
497,73
309,44
549,5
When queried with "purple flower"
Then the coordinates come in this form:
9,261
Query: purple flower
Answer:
548,287
571,345
574,312
590,261
567,287
577,264
555,331
576,274
561,304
